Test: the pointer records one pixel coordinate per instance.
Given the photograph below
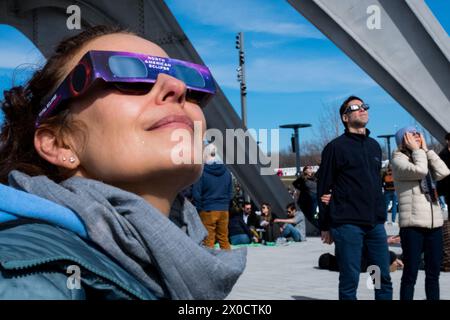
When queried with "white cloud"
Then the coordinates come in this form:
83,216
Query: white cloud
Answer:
246,16
13,57
264,44
272,75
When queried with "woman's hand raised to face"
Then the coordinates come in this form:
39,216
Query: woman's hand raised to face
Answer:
410,142
423,143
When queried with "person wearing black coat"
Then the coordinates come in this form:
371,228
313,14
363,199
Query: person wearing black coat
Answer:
443,186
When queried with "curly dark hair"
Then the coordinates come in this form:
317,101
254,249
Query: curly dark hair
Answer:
22,104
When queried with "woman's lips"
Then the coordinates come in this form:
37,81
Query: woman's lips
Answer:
174,121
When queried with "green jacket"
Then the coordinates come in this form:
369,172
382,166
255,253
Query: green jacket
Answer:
41,261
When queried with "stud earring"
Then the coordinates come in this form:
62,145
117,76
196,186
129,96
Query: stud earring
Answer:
71,159
64,159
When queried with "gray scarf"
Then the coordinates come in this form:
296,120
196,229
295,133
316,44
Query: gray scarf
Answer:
147,244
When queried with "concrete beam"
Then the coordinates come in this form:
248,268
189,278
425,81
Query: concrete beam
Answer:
409,55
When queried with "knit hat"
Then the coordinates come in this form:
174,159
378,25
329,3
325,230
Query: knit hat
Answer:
401,133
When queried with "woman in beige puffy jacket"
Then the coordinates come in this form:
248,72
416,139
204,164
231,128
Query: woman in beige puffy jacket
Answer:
415,168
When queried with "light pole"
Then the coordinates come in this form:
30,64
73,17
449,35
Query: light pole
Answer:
296,143
241,77
388,142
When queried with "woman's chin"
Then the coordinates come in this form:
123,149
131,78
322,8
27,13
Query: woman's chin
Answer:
186,174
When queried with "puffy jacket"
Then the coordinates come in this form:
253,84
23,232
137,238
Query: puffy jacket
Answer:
35,259
414,208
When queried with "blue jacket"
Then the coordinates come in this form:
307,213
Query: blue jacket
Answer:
213,191
40,240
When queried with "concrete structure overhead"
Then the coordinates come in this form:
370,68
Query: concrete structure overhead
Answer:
44,23
400,44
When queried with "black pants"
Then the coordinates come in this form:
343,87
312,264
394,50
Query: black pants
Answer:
414,242
272,232
307,202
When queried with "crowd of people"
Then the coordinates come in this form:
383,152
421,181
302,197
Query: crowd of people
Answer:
354,195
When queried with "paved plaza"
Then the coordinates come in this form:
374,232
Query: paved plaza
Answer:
290,272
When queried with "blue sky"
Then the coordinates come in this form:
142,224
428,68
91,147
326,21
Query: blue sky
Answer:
292,69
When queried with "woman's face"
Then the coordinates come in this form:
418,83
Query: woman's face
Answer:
308,171
417,138
126,142
265,210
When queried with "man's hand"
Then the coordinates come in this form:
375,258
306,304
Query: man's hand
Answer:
393,239
326,237
326,198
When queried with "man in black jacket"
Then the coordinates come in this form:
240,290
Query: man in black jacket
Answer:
443,186
355,215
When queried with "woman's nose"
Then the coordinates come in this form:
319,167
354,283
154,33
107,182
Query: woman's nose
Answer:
170,90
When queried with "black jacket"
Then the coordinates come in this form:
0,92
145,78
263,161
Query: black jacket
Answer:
443,186
351,167
237,226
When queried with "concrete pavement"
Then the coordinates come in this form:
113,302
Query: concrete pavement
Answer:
290,272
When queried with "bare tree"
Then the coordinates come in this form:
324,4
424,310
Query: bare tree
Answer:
330,125
432,142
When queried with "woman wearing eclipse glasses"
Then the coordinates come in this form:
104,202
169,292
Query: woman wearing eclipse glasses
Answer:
91,205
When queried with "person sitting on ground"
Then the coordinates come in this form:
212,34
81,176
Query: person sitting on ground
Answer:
294,225
266,222
89,185
252,220
238,231
328,261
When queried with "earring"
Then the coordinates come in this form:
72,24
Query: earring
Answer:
72,159
64,159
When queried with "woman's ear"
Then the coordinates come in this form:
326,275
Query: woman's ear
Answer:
49,147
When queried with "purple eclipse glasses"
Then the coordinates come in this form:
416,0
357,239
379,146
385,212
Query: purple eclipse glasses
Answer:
130,73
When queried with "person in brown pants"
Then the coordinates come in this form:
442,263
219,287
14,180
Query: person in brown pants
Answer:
212,194
216,222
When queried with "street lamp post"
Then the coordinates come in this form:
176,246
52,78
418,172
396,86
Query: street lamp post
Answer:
241,77
388,142
296,127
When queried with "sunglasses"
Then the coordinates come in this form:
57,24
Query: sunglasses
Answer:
356,107
130,73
